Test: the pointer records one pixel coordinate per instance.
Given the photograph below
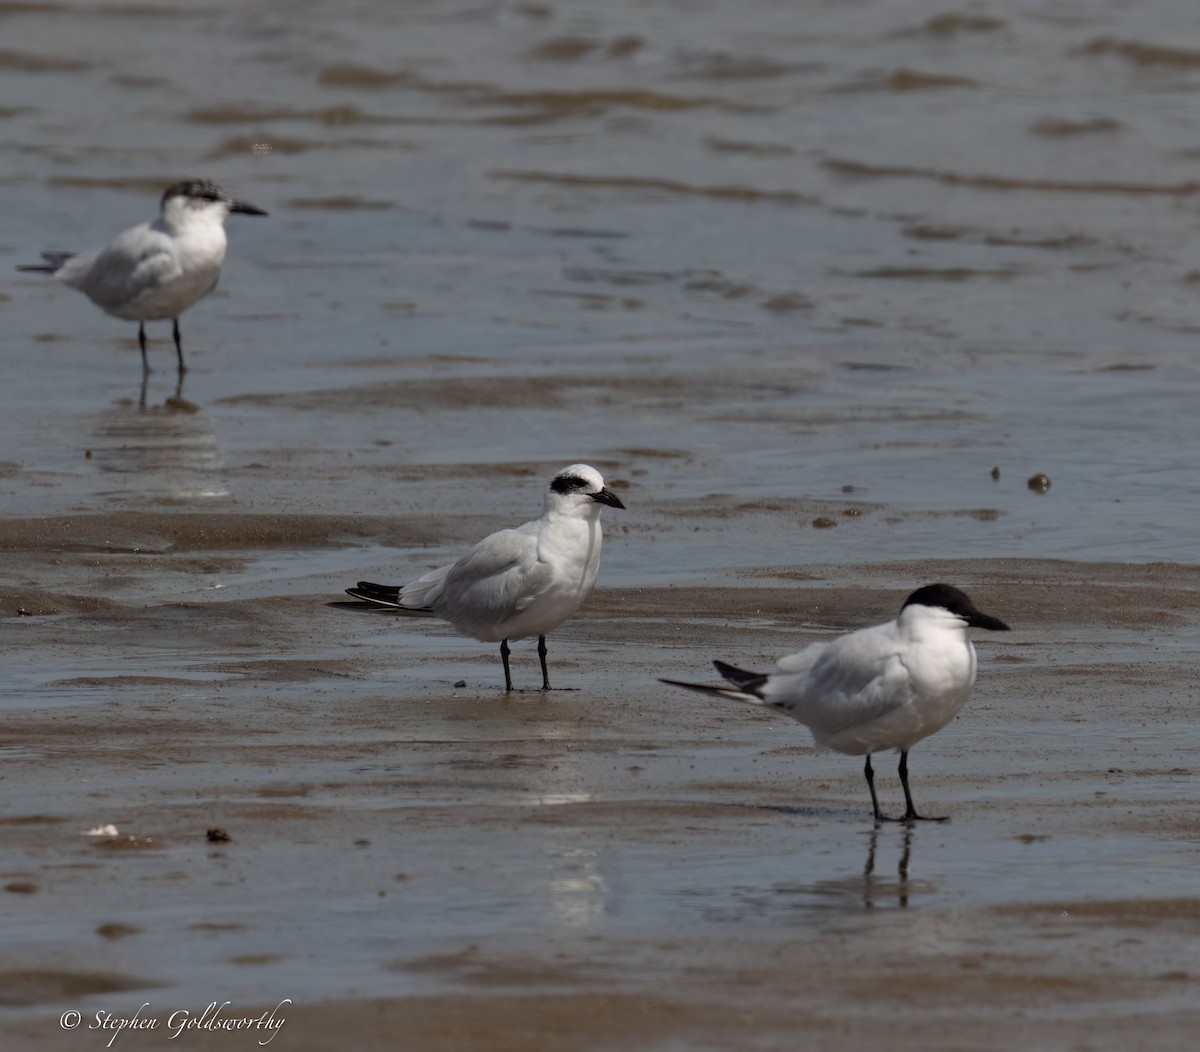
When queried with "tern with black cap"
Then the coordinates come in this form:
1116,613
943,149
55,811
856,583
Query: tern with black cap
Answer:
884,687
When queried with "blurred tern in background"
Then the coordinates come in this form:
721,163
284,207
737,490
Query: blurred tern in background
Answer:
520,582
156,270
885,687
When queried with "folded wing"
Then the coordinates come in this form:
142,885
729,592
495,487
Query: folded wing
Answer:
136,265
493,582
847,683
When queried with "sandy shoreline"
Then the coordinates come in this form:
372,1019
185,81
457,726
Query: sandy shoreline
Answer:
613,865
818,301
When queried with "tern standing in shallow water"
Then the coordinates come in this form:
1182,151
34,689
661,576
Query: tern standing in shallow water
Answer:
156,270
520,582
885,687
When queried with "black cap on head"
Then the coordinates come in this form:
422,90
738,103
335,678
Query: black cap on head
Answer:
956,602
198,189
206,190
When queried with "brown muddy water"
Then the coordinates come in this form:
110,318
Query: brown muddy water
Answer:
821,288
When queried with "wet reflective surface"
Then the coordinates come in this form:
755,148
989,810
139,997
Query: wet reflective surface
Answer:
821,291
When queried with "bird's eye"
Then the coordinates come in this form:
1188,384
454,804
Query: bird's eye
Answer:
568,484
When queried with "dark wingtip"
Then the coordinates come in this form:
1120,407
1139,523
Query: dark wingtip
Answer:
375,593
52,265
740,677
380,589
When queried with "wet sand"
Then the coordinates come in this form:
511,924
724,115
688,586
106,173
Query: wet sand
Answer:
796,290
415,858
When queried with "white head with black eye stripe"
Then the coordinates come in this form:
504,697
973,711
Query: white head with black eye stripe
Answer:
579,490
202,199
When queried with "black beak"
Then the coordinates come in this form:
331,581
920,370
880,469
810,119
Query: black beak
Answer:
993,624
246,209
606,496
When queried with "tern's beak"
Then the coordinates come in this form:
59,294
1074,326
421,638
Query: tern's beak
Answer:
993,624
606,496
246,209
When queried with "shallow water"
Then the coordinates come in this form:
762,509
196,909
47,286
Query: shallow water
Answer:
797,280
893,232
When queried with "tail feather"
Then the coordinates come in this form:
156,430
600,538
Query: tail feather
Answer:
387,595
719,692
53,264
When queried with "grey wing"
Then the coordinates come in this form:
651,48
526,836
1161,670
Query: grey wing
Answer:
803,660
853,680
496,579
138,262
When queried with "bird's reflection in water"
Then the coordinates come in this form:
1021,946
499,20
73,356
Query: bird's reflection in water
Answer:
872,890
165,453
873,886
578,891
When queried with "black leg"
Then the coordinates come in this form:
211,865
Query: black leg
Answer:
869,771
504,652
178,346
910,815
879,815
542,659
142,344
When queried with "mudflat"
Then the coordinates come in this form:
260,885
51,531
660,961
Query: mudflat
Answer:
408,857
819,293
